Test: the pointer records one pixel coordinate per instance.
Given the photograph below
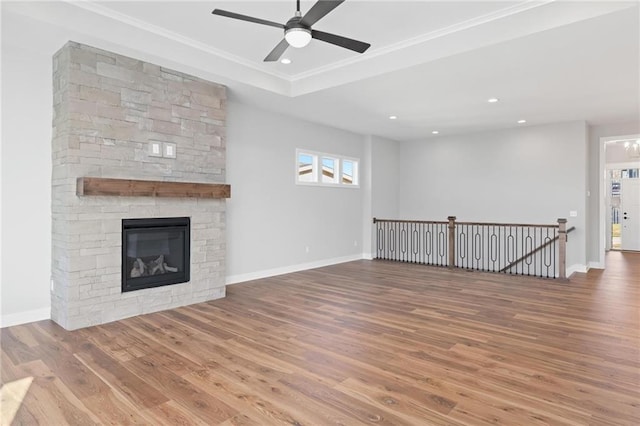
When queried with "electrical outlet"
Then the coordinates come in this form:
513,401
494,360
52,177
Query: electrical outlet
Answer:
169,150
573,213
355,243
155,149
306,249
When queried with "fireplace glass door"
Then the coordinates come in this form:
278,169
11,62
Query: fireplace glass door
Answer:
155,252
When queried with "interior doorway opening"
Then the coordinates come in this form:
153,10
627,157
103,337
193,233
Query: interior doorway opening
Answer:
621,193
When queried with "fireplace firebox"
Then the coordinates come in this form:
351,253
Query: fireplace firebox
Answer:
155,252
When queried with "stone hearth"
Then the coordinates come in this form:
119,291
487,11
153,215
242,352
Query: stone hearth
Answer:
108,108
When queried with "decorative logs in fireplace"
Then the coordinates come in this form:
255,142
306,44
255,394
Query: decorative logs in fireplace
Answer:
155,252
156,266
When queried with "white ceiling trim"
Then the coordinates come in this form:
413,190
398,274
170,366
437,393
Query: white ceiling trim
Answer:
424,38
515,21
109,13
528,21
98,9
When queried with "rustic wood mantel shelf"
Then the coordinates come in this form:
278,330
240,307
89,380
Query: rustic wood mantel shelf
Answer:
150,188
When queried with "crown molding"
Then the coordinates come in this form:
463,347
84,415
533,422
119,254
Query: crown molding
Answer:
106,12
98,9
424,38
518,20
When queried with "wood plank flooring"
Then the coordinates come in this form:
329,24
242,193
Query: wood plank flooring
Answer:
361,343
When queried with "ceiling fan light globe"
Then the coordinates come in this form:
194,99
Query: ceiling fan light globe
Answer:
297,37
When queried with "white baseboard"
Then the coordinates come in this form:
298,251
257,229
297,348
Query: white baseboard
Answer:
596,265
577,268
25,317
240,278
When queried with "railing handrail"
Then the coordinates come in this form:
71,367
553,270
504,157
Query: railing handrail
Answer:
533,225
532,252
530,225
439,222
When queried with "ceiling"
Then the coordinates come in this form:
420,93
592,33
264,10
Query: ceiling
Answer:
433,64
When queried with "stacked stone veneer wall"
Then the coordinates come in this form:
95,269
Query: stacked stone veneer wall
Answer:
107,108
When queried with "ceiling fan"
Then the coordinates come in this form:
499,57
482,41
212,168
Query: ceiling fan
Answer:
298,31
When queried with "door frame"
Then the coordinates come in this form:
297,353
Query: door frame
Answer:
602,192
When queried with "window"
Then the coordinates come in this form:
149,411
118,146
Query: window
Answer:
349,172
629,173
306,168
329,170
315,168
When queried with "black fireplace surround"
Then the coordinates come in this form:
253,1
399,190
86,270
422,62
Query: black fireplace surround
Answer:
155,252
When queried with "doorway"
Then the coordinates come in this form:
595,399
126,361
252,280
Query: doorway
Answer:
622,193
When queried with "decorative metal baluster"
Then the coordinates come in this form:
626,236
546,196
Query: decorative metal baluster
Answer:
485,248
421,233
501,247
466,246
415,243
493,246
529,246
430,234
392,241
547,252
555,259
462,248
379,240
396,246
442,249
388,241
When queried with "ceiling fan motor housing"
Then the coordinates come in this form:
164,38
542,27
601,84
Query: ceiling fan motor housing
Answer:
294,30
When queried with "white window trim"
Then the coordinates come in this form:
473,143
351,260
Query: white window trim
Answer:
317,168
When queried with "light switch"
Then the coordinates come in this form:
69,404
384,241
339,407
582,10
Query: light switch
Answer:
169,150
155,149
573,213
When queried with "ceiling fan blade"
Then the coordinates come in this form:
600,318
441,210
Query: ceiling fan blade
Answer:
347,43
319,10
277,51
246,18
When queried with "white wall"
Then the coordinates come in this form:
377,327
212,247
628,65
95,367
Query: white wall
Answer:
383,197
270,219
26,184
385,180
533,174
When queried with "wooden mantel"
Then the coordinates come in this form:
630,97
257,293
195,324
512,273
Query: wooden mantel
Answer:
150,188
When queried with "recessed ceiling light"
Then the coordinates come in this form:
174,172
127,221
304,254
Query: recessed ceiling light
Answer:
393,117
435,132
522,121
492,100
285,61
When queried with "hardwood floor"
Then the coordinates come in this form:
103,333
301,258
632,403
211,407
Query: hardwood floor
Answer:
357,343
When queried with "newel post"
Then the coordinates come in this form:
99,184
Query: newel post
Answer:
562,248
452,241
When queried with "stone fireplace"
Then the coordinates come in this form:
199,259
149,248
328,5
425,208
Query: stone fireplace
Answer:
151,141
